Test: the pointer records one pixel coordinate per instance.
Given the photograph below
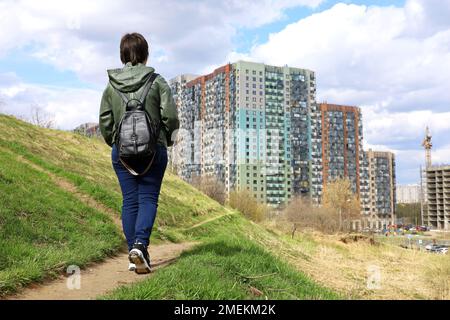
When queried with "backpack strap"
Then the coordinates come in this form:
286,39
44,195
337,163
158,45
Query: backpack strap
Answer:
134,172
122,95
147,86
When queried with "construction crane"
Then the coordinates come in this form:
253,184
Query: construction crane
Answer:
427,145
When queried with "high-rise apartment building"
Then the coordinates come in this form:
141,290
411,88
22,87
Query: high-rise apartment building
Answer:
371,174
257,127
378,199
254,127
342,144
182,149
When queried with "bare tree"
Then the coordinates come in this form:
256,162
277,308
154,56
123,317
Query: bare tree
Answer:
210,186
41,118
339,198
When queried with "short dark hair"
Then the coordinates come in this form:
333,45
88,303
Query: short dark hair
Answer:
133,48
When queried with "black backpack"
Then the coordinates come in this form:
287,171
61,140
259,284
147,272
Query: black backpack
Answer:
137,133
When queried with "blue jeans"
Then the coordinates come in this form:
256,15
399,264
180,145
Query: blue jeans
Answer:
140,195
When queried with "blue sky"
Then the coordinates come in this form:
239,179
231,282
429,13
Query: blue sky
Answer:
34,70
391,58
248,37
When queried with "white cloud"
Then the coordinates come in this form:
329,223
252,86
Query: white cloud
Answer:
69,107
83,35
382,126
394,62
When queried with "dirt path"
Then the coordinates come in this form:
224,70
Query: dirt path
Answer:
230,213
71,188
102,278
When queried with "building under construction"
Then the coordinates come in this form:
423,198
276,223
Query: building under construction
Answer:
436,196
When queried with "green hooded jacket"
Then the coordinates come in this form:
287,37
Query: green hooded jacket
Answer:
159,102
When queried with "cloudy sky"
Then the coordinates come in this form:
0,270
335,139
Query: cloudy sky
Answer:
391,58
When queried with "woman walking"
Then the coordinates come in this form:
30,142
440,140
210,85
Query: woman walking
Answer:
140,177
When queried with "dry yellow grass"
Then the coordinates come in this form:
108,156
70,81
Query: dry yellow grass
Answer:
403,273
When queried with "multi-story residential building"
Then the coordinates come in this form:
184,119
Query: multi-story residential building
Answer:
254,127
371,174
89,129
438,197
409,193
183,149
257,127
342,144
379,199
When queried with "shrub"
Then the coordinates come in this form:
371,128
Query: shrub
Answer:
245,202
302,214
210,186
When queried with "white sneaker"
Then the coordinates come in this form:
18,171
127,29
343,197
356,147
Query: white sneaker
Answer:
139,256
131,267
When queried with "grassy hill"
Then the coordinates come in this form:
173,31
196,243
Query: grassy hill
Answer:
46,225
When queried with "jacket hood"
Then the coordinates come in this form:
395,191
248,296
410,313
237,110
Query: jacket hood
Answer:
129,78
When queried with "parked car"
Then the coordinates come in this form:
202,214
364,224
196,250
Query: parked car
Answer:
442,249
422,228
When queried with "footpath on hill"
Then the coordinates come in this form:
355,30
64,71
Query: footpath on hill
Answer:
102,277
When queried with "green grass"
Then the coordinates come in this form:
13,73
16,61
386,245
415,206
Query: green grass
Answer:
43,228
226,266
87,164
